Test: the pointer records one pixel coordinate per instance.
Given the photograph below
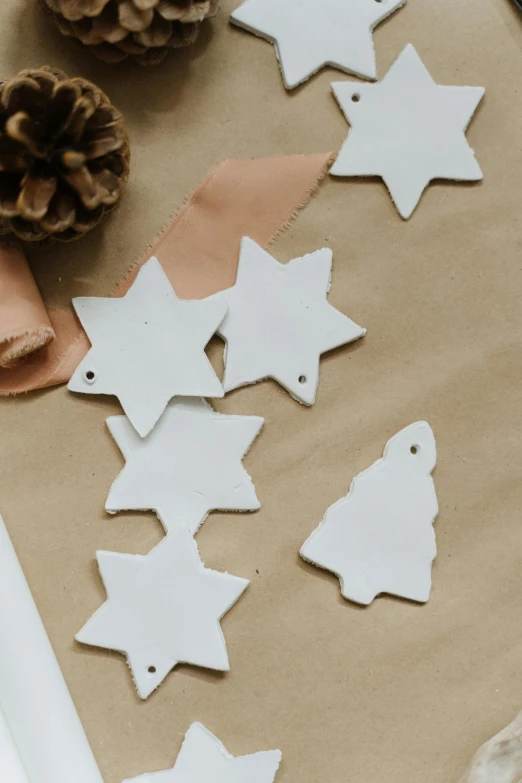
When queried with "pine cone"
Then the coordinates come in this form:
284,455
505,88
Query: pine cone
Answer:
64,156
142,29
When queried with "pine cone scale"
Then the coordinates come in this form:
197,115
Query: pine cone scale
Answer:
82,112
107,27
104,143
73,10
35,197
130,46
133,20
86,32
60,112
9,190
61,214
20,94
145,5
21,128
158,34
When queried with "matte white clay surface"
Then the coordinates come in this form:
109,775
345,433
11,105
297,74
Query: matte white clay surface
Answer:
203,759
189,465
163,609
500,759
279,321
147,347
380,537
309,34
407,130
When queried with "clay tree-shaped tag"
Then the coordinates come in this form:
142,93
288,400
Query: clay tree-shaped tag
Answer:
380,537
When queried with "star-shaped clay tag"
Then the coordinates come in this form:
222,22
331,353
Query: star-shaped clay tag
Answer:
163,609
408,130
380,537
147,347
309,34
279,321
203,759
189,465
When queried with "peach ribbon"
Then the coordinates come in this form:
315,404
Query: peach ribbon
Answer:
198,250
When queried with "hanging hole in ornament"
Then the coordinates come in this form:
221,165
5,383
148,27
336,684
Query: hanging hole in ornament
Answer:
415,449
90,376
302,379
356,97
151,670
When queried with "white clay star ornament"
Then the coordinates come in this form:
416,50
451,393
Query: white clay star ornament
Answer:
380,537
204,759
279,321
408,130
309,35
163,609
189,465
147,347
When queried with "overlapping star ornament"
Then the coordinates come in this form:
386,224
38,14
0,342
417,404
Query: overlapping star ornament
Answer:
203,759
162,609
189,465
408,130
309,35
279,321
147,347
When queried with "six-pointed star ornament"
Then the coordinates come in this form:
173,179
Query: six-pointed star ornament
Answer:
309,34
204,759
408,130
147,347
163,609
189,465
279,321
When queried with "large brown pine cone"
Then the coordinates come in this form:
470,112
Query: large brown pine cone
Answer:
142,29
64,156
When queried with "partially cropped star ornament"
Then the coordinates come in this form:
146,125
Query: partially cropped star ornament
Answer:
147,347
309,34
204,759
279,321
162,609
189,465
408,130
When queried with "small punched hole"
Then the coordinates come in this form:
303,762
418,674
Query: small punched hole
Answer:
302,379
90,376
152,670
356,97
415,449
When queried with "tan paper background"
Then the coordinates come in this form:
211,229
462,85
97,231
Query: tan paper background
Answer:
396,692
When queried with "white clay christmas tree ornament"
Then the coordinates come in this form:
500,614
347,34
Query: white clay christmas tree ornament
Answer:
203,759
189,465
147,347
279,321
162,609
408,130
309,35
380,537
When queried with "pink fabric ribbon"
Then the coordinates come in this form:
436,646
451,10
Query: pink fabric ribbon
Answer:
198,250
